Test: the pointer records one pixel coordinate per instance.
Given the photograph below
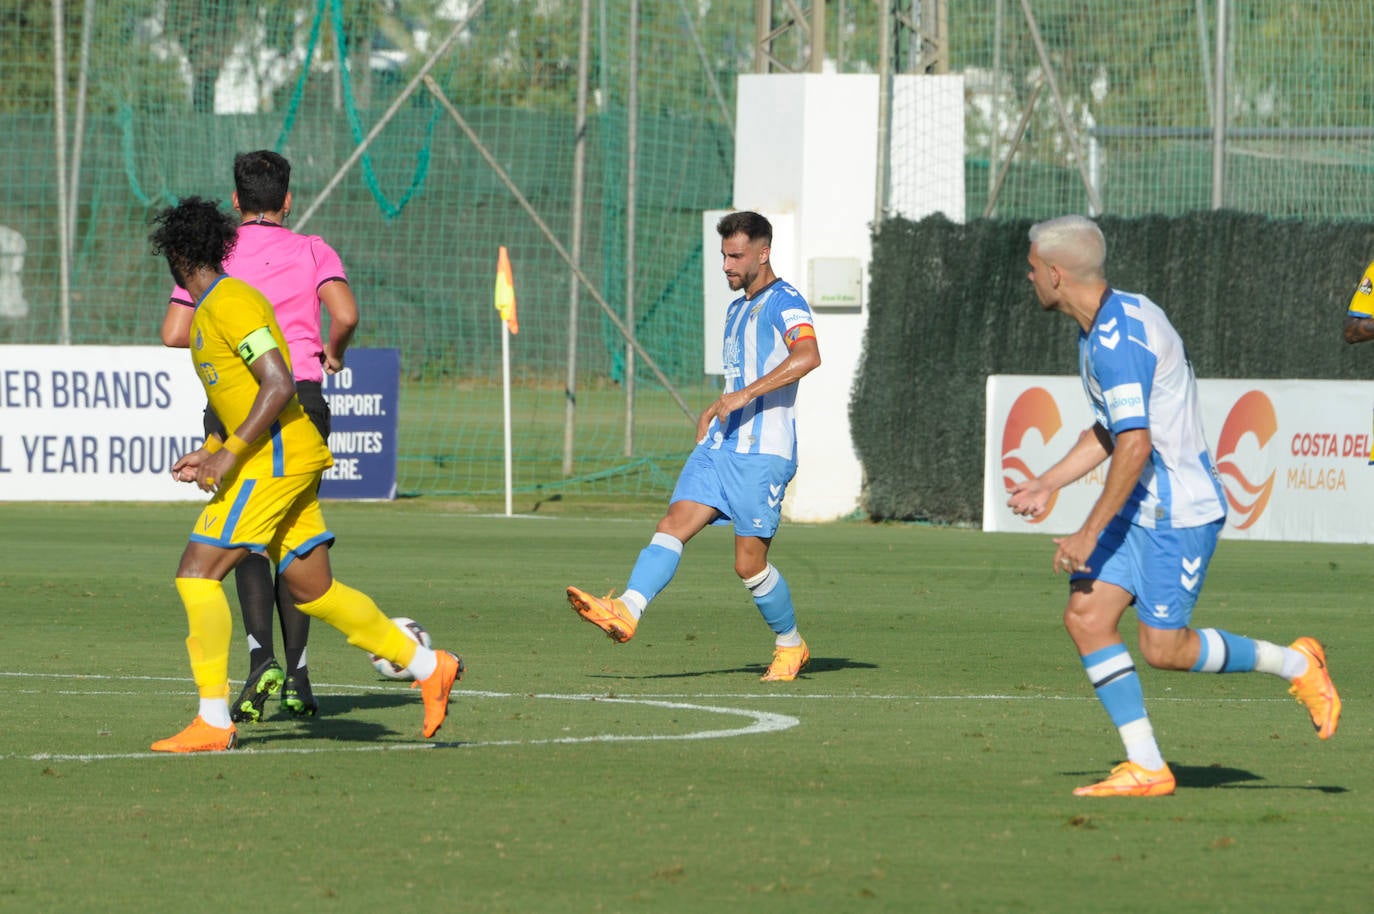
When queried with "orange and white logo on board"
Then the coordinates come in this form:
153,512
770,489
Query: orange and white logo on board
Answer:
1023,454
1241,459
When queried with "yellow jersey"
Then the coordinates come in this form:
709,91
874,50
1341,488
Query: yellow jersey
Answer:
226,337
1362,302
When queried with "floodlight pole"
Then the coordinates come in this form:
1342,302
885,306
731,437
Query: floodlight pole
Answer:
631,193
1219,111
59,66
575,240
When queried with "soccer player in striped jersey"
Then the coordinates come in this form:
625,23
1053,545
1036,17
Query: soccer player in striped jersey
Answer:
746,451
263,478
299,274
1150,535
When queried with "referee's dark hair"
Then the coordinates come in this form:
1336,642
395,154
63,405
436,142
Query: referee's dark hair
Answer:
261,180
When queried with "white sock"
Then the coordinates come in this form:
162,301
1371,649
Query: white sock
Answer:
1279,661
1139,739
789,639
634,601
423,665
215,712
1294,664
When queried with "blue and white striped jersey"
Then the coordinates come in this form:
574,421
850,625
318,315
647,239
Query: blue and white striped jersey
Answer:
754,346
1136,374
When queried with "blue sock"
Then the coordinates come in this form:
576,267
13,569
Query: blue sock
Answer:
654,569
1223,652
774,599
1113,675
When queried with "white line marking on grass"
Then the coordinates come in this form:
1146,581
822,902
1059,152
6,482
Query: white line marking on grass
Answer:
647,696
817,696
762,722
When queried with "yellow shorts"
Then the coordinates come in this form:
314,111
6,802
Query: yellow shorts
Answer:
279,516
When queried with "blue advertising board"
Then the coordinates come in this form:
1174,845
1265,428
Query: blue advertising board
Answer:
364,402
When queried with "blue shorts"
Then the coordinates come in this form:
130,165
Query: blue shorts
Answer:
1163,569
746,489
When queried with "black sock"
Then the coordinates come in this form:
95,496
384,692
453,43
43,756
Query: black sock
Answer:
257,599
295,630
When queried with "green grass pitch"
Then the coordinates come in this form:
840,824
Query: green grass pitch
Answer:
923,763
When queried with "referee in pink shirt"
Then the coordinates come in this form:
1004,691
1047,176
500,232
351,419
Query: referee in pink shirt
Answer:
298,274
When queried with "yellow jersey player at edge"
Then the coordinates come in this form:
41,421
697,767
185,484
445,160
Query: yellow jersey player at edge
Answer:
263,479
1359,316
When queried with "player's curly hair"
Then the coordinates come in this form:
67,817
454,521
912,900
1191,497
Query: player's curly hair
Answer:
194,233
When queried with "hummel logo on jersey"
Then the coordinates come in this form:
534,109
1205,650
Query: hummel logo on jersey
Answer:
1161,610
1108,335
210,522
1189,578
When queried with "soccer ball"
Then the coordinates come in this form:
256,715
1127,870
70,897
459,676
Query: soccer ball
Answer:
415,632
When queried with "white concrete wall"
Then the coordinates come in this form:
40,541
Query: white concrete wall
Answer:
806,146
806,153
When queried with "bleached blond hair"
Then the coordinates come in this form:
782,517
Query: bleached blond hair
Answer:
1074,244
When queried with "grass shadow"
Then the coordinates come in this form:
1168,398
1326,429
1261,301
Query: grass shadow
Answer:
1200,777
817,665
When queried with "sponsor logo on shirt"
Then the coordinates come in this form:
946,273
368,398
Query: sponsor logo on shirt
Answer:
1366,286
1125,401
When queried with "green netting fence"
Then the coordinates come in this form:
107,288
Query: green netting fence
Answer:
158,95
1252,297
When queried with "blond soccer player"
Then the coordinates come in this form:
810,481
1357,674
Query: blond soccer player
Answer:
1148,539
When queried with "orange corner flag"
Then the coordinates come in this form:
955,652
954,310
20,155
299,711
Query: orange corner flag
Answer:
505,291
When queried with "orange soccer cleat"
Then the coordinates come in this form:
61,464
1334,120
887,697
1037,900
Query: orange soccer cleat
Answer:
1315,689
1130,780
607,613
199,737
787,663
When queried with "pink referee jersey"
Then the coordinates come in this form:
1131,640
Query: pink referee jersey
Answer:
289,269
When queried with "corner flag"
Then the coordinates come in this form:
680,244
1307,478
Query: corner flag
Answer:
505,291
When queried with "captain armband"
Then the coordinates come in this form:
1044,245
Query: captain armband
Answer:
799,332
255,344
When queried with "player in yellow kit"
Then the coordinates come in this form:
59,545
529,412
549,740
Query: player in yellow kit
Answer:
263,477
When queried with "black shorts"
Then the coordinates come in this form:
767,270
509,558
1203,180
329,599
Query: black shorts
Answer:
311,395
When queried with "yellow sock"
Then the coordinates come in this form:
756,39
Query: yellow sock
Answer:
353,613
211,629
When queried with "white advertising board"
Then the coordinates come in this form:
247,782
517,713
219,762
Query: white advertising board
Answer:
1293,455
97,423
